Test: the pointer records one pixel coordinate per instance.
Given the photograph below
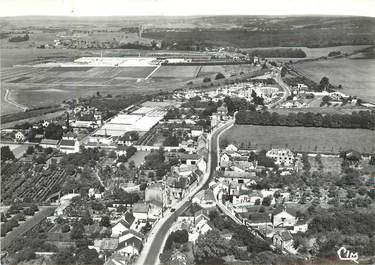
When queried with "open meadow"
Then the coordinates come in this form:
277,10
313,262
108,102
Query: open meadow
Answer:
355,75
324,140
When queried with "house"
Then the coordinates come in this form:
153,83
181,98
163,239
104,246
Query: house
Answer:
19,137
300,226
202,141
225,161
202,164
106,244
281,156
69,146
45,143
231,148
45,124
283,240
201,227
196,131
121,150
248,178
123,225
188,159
222,110
129,234
130,247
205,198
140,210
284,218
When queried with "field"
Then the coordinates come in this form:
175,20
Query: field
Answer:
168,71
325,140
312,53
227,70
356,76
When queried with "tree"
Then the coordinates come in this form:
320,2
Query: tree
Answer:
6,154
219,76
210,247
324,83
86,218
267,201
30,150
105,221
65,228
53,131
64,257
206,80
147,228
112,154
77,230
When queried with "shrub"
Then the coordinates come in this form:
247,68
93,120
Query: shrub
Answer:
65,228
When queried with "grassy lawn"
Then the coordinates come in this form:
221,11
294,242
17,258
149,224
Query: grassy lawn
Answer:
302,139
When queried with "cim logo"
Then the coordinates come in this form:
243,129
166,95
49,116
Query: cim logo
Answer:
345,254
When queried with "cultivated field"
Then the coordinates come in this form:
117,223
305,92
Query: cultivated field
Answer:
180,71
356,76
227,70
302,139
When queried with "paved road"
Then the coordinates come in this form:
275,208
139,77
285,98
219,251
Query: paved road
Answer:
279,80
150,255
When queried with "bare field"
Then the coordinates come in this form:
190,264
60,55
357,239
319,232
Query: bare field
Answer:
324,140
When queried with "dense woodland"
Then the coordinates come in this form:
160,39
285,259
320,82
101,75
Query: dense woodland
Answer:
361,119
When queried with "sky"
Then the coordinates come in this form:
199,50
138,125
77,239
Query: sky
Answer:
185,7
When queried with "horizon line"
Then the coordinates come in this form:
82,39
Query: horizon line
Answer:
191,15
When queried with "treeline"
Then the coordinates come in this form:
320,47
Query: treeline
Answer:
19,38
282,53
361,119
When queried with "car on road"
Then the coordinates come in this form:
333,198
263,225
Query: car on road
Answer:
172,210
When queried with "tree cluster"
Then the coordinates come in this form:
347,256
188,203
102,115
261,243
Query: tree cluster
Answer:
361,119
278,53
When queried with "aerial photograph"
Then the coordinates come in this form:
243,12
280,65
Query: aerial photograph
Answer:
175,132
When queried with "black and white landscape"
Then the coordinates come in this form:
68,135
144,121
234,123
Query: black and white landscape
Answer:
187,132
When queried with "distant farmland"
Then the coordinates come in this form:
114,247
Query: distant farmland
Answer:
324,140
172,71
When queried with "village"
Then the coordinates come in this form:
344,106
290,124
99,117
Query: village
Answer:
105,184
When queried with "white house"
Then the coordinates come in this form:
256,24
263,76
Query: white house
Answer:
231,148
300,227
69,146
281,156
19,136
201,227
45,143
120,150
196,131
283,218
202,164
225,160
129,234
123,225
130,247
140,210
205,198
